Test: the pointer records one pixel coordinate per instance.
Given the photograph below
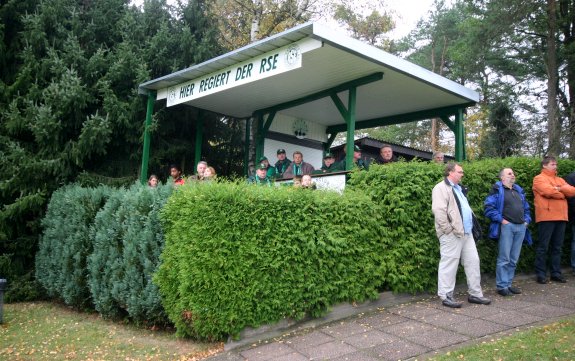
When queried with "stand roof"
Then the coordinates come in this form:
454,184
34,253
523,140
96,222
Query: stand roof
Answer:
390,87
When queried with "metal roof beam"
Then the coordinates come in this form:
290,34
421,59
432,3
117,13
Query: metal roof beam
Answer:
324,93
400,118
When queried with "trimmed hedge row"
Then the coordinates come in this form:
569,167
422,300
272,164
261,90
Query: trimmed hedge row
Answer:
100,247
403,190
238,255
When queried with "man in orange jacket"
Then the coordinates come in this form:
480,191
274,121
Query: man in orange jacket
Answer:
550,193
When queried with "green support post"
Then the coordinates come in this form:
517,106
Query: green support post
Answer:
459,135
461,115
146,146
350,120
264,124
259,136
247,147
199,139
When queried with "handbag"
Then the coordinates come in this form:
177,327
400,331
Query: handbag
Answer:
476,230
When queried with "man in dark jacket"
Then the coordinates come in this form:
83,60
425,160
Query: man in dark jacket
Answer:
508,211
282,164
261,178
358,161
298,166
386,155
328,165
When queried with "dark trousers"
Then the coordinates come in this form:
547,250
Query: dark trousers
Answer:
551,235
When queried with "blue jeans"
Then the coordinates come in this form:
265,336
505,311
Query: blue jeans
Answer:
510,242
551,235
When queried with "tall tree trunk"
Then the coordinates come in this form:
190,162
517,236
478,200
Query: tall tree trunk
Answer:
553,124
567,25
255,28
254,36
435,122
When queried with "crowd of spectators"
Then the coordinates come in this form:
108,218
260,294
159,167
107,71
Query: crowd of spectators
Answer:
285,168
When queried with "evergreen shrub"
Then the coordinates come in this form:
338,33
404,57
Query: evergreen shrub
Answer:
128,240
238,255
65,243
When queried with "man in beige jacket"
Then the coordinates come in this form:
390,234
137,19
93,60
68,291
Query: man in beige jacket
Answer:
453,225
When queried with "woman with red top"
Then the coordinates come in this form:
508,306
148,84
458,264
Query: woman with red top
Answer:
176,174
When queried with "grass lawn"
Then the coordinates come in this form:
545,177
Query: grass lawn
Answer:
47,331
551,342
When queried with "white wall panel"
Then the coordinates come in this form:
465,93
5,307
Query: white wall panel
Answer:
284,124
311,156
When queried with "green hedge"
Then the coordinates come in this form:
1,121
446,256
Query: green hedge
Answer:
403,190
128,240
65,243
237,255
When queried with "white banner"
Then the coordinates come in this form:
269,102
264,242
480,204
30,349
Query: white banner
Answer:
331,181
334,182
269,64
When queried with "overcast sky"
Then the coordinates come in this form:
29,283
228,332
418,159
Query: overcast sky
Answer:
408,14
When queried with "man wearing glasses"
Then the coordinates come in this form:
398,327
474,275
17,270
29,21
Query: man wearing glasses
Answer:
508,211
454,226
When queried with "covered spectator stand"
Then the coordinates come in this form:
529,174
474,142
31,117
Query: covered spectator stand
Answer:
305,85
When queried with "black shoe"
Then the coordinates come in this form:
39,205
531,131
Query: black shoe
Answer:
542,280
479,300
514,290
451,303
504,292
559,279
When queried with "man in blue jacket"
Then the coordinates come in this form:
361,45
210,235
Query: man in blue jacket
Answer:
508,211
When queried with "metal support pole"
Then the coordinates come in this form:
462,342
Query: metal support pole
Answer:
350,120
459,137
247,148
461,114
259,136
147,125
199,139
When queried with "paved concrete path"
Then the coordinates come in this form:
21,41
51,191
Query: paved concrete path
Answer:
419,329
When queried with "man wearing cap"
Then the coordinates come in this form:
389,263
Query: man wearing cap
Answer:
328,164
261,178
282,164
357,160
298,166
271,171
